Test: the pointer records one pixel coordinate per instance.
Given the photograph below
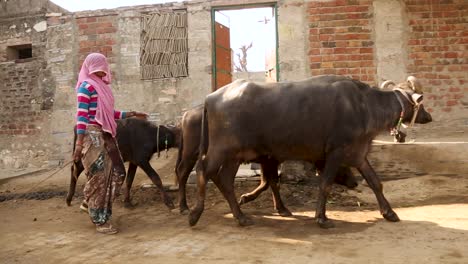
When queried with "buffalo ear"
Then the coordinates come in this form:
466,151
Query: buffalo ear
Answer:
417,98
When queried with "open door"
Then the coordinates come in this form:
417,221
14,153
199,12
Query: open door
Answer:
245,44
223,56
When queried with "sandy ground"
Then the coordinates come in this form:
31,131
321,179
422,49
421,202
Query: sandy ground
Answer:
433,209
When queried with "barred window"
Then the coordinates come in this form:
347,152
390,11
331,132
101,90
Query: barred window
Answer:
164,47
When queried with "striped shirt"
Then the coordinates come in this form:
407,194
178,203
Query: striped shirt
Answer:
86,110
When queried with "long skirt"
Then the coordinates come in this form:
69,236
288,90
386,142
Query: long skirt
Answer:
105,172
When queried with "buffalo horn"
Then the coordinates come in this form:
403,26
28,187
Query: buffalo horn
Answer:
387,83
414,84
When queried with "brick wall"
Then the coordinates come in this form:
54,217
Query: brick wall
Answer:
21,81
20,103
97,34
340,38
437,48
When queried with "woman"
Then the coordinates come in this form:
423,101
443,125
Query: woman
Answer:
96,145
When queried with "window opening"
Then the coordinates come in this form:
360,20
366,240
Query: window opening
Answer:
164,47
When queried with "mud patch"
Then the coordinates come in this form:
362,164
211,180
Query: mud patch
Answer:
41,195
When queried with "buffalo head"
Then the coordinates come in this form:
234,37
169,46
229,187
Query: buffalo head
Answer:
413,91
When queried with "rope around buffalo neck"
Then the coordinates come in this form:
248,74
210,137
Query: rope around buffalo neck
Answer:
166,142
157,142
396,130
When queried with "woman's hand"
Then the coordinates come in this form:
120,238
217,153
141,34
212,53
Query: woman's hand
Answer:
139,115
77,154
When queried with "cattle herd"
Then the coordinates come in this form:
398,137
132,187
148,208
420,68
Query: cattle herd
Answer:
327,120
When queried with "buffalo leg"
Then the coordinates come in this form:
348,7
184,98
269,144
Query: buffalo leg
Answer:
183,171
224,180
248,197
129,181
153,175
332,164
270,169
374,183
76,169
270,178
345,177
203,175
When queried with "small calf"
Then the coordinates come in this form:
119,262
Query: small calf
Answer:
137,140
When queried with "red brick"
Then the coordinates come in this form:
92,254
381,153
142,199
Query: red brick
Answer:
81,20
451,55
356,9
329,71
326,37
327,30
106,18
314,45
343,44
326,51
88,31
340,64
314,65
354,64
104,24
315,58
106,30
313,31
451,103
313,38
327,58
366,50
311,51
366,64
87,44
342,71
414,42
91,19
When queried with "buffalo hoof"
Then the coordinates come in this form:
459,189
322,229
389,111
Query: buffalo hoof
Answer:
168,202
245,221
351,184
194,216
68,201
129,205
325,223
244,199
391,216
184,211
284,212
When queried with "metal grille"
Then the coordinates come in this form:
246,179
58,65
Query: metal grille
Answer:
164,46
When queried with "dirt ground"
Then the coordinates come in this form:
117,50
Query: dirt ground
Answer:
38,227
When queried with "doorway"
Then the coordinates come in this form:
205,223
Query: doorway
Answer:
245,44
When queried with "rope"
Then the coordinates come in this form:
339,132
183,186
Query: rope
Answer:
416,106
48,177
157,142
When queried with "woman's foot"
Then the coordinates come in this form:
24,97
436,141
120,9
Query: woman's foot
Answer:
84,206
106,229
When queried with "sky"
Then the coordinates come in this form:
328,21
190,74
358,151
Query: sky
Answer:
80,5
246,25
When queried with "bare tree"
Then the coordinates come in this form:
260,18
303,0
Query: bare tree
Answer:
242,66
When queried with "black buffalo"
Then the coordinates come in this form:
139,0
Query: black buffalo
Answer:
330,118
137,140
188,154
